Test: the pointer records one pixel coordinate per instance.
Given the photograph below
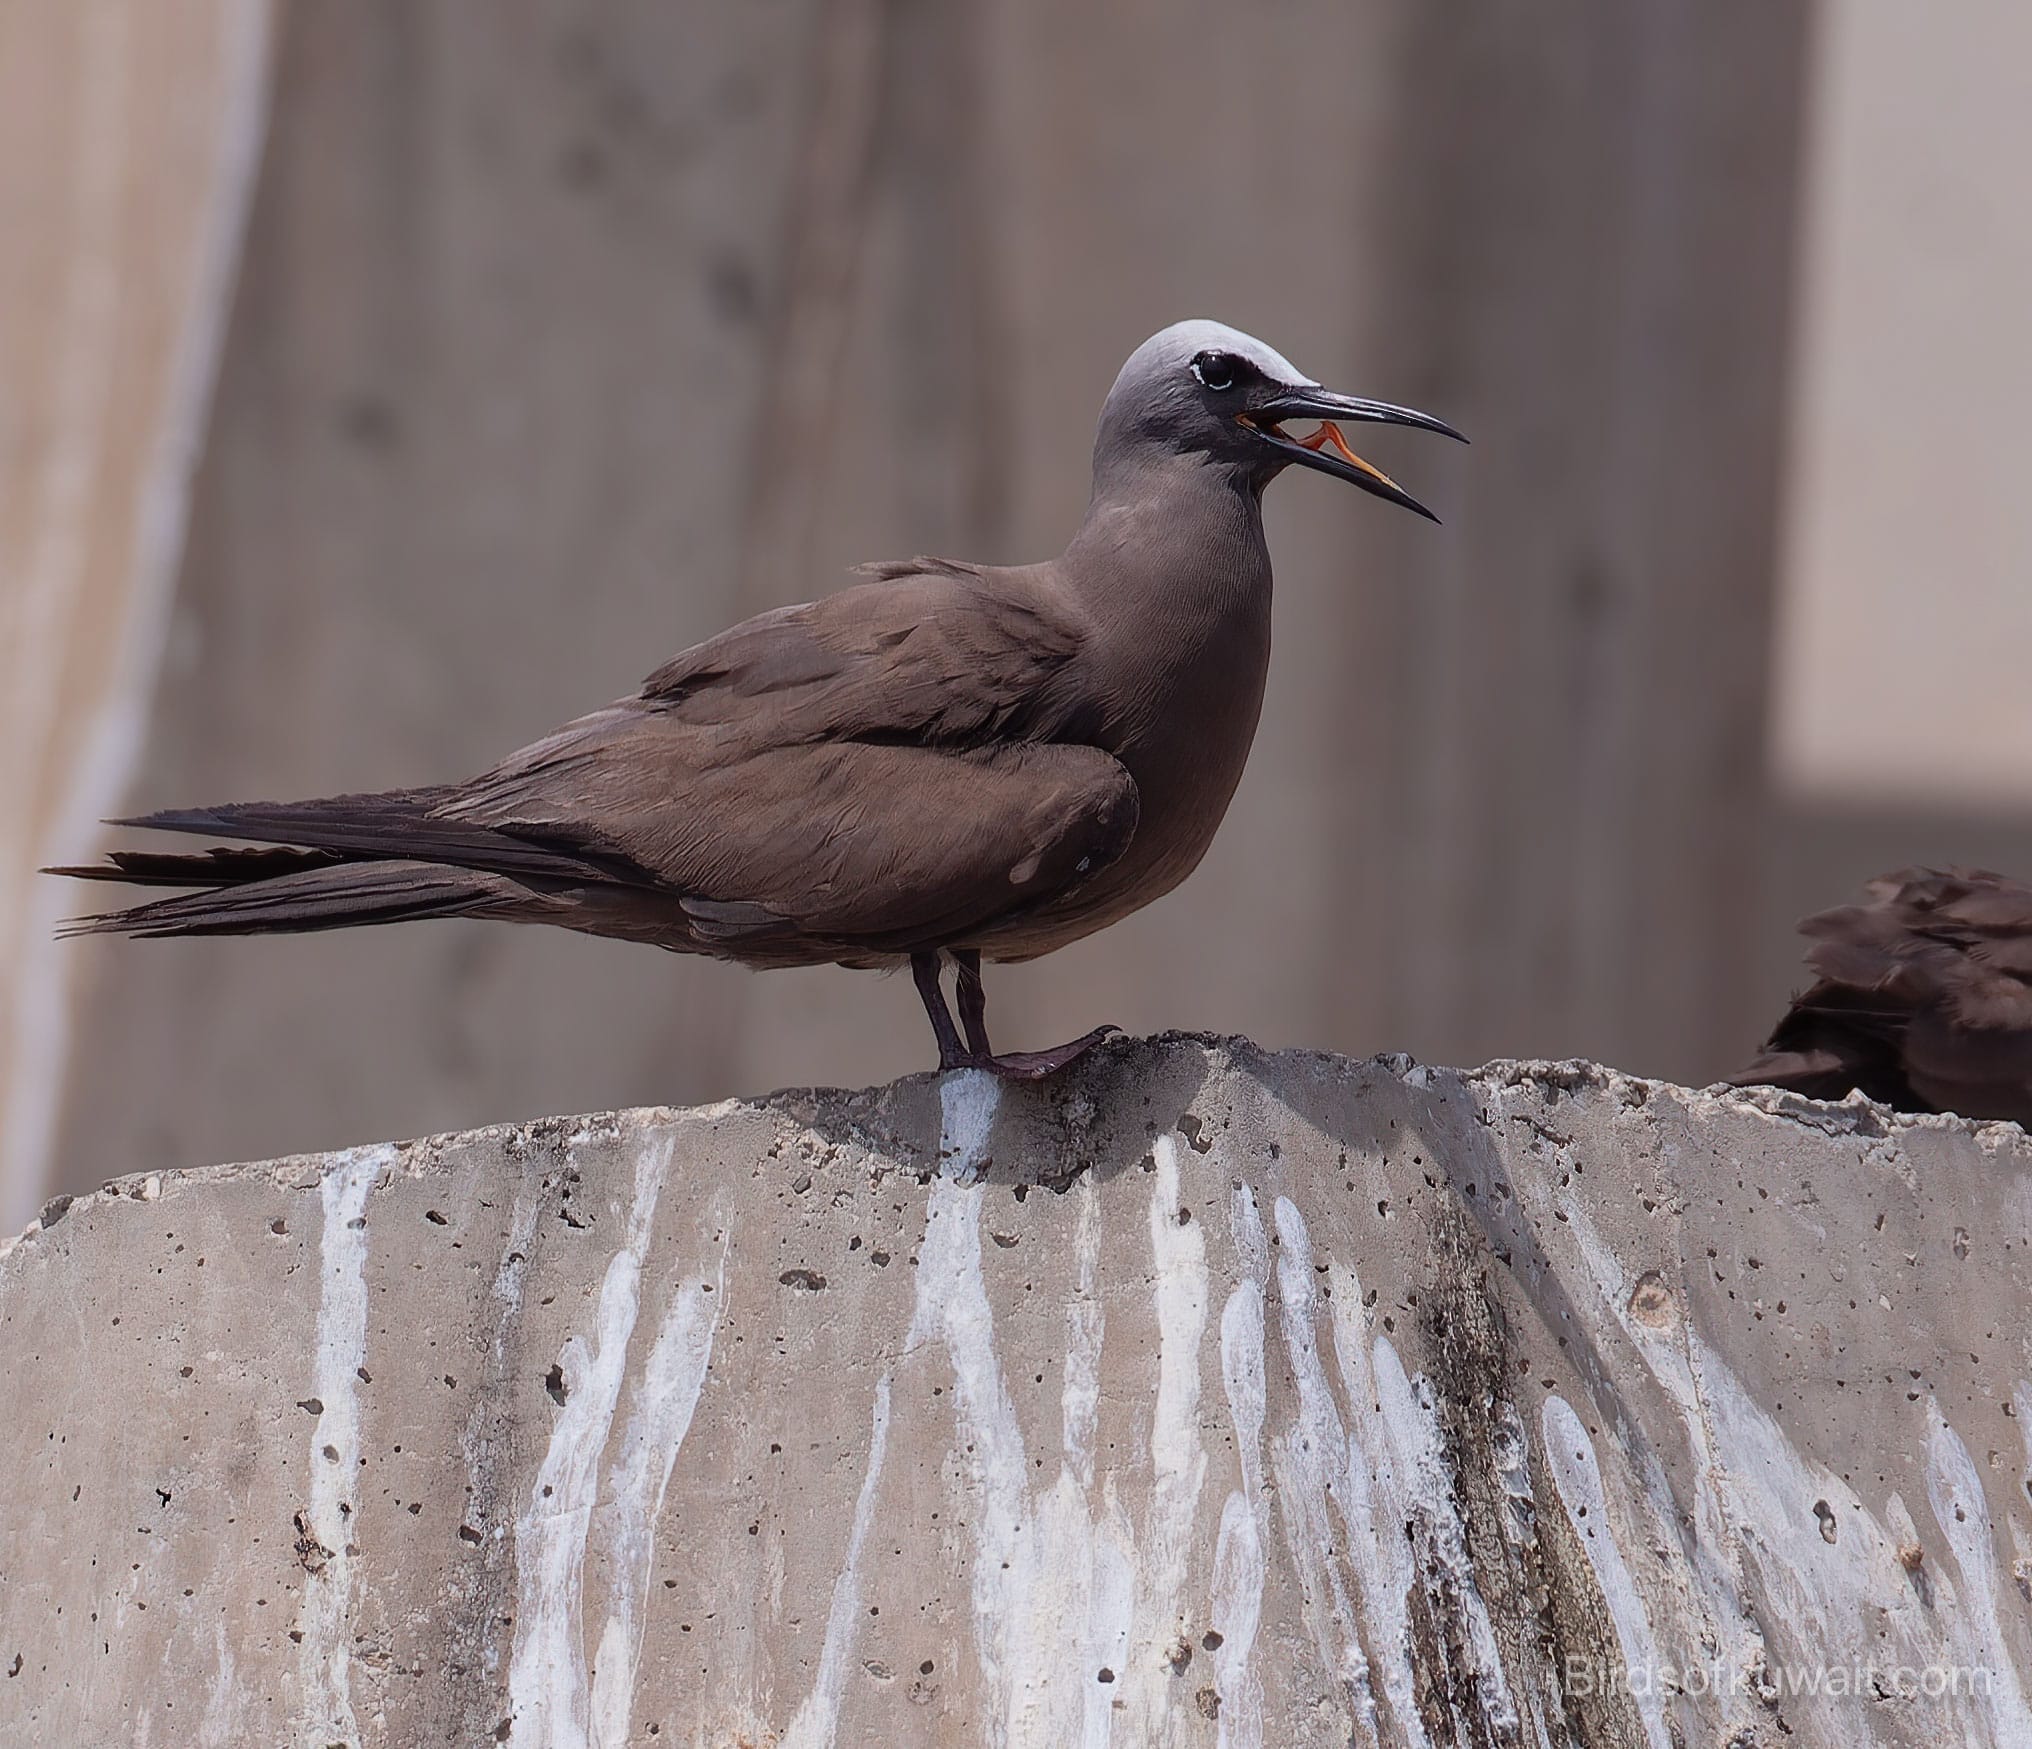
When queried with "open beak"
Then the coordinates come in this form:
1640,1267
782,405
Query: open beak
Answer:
1326,449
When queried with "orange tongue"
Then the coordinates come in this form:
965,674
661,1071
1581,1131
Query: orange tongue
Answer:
1330,433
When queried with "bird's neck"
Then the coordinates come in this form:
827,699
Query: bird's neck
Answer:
1173,575
1176,543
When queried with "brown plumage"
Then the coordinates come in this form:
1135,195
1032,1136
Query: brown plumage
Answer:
1924,999
945,761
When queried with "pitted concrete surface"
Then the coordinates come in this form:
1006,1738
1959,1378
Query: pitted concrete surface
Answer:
1202,1397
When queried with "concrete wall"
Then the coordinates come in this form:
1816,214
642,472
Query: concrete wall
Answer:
1203,1397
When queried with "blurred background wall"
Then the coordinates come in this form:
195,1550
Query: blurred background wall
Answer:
129,138
562,335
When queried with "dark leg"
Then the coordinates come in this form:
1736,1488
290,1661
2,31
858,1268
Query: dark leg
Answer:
973,1001
1017,1065
951,1054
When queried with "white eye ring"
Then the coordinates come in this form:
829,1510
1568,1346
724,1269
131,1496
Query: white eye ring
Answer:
1199,373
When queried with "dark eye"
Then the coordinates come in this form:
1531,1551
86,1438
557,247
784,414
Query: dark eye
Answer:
1218,370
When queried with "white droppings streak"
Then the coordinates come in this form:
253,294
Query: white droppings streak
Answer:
1570,1455
547,1667
1237,1605
1757,1501
1759,1535
1109,1606
1405,1414
2021,1543
1713,1551
484,1454
1080,1394
1080,1609
1404,1529
324,1618
1055,1577
967,1102
1955,1491
1075,1613
952,1307
1768,1490
1376,1497
660,1410
1178,1459
817,1723
1310,1457
1511,1450
221,1727
514,1261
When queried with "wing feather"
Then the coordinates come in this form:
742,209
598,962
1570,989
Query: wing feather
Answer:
1923,998
893,766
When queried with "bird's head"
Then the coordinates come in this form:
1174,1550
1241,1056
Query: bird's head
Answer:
1203,388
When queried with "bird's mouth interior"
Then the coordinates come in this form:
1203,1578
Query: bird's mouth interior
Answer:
1328,436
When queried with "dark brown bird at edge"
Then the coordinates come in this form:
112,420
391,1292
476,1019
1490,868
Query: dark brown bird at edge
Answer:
1924,999
947,761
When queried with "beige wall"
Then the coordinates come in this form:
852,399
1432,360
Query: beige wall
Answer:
128,130
1909,545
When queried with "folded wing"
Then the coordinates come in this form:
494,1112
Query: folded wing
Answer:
889,768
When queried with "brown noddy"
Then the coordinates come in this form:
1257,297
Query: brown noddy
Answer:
1923,999
945,761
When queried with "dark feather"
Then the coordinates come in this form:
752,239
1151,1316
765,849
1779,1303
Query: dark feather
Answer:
401,824
1923,999
850,780
219,867
325,898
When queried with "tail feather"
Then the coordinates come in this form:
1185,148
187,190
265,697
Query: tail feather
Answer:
402,825
220,867
333,897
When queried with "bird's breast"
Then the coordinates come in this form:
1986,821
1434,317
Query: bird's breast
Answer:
1187,756
1182,729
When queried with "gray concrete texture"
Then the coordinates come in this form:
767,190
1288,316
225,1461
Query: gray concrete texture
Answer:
1205,1396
